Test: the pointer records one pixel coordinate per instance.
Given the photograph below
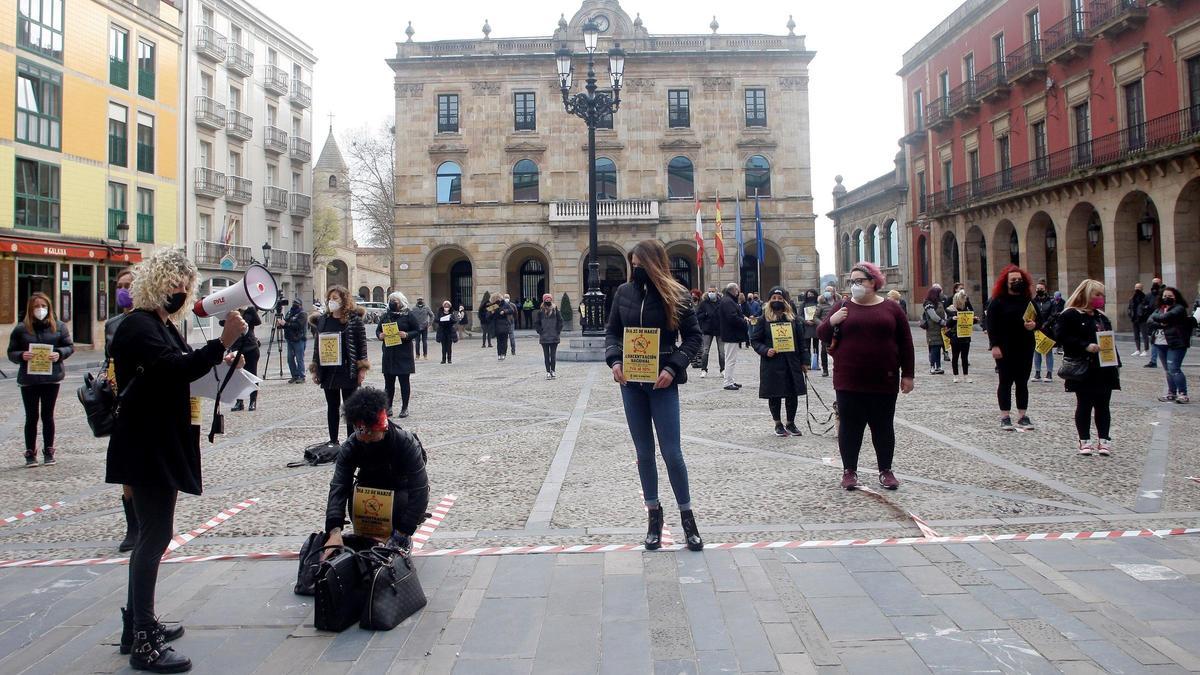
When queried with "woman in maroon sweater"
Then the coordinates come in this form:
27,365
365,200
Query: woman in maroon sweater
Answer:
873,358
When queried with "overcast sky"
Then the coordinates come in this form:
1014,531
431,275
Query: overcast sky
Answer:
855,95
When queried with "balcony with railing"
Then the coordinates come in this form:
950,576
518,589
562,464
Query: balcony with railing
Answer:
300,263
115,218
145,228
209,182
210,113
301,93
275,79
210,253
239,125
962,99
937,113
299,204
275,140
301,149
279,260
606,209
275,199
1162,134
1068,39
240,60
992,82
1110,18
210,44
239,190
1026,62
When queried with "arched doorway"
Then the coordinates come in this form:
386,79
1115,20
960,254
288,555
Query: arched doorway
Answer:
1137,239
975,251
613,269
1187,240
336,274
1005,246
681,270
451,277
1084,246
682,255
950,263
377,294
526,272
1042,240
760,278
364,294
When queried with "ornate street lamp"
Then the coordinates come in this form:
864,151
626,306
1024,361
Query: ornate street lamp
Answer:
1051,241
1093,231
266,247
1146,224
122,233
592,106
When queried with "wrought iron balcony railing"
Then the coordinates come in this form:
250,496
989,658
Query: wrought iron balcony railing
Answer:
275,140
240,60
239,190
301,93
962,99
239,124
1110,18
299,204
937,113
210,44
992,82
275,199
301,149
275,80
1067,39
209,182
1026,62
210,113
210,253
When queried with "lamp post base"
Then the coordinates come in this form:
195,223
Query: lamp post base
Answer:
593,312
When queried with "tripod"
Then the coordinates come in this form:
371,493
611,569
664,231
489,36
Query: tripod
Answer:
273,341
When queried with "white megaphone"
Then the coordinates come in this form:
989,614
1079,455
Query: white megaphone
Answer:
257,288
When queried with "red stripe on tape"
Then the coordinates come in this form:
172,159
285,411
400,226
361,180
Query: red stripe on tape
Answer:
31,512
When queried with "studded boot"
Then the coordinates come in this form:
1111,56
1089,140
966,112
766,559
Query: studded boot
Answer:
691,533
131,526
654,531
169,633
151,652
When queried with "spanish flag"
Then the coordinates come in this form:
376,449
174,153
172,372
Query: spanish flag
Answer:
720,239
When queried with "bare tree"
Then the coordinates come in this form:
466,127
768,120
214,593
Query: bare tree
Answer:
326,233
372,160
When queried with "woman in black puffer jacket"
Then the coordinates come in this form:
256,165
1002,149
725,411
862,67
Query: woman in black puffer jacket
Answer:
654,300
398,360
1076,328
39,392
342,317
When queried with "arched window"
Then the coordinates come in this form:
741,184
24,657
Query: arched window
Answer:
364,294
859,247
525,181
758,177
845,253
449,183
377,294
333,182
680,179
893,244
873,244
922,261
606,178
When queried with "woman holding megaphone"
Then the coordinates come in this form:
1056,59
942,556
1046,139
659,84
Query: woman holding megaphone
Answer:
339,362
155,444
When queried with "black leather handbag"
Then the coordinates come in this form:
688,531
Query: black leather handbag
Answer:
394,592
310,558
340,589
1074,368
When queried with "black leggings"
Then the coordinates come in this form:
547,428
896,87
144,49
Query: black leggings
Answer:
389,385
447,349
333,411
550,356
36,396
792,402
859,410
502,344
960,350
1085,403
1014,371
155,509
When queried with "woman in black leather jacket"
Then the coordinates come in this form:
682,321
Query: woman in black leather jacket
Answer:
656,301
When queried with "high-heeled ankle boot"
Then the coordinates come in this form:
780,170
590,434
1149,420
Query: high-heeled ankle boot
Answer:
151,652
131,526
690,532
169,633
654,531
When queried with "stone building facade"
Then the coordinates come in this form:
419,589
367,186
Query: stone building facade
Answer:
492,175
870,223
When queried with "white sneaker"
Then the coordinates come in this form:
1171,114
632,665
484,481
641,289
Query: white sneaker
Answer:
704,373
1086,448
969,381
1104,447
956,380
1135,353
722,374
549,376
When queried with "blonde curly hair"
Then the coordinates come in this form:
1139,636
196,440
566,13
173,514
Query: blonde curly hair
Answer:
157,277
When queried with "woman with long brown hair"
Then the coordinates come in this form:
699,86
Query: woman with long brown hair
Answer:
341,366
39,389
654,313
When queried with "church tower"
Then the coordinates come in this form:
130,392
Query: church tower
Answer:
331,188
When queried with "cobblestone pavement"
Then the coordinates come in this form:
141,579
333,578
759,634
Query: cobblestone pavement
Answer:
550,462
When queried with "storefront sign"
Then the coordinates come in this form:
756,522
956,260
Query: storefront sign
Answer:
68,250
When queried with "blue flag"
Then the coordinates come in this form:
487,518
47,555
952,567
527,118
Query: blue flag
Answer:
758,230
737,229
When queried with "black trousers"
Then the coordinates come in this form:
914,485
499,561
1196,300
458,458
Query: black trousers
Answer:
422,342
792,402
1139,336
488,332
333,400
502,344
252,368
550,356
39,400
155,509
960,350
1089,402
1014,370
447,350
859,410
389,385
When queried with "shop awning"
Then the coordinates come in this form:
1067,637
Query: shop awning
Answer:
68,248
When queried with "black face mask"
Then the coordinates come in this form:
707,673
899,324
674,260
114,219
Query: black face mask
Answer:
1168,301
778,305
174,302
1041,292
420,303
641,276
547,304
1017,287
395,306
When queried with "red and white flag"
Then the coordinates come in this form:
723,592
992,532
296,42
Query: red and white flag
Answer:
699,237
719,236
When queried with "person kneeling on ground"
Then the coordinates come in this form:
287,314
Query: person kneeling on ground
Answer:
379,464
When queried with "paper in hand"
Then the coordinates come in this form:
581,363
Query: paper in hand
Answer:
240,385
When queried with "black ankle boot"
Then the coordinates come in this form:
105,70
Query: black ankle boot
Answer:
254,400
151,652
131,526
237,406
654,530
169,633
690,532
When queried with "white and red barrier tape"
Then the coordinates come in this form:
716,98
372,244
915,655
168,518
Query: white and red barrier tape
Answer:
181,539
610,548
1194,478
923,526
31,512
436,516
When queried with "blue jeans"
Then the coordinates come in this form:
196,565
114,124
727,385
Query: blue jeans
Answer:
295,357
935,356
648,410
1037,362
1154,350
1176,382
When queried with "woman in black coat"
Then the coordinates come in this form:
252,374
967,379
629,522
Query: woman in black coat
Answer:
1076,329
39,393
781,374
446,321
250,349
809,326
398,360
155,444
342,317
1010,337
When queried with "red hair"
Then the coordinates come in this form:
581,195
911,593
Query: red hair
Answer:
1001,287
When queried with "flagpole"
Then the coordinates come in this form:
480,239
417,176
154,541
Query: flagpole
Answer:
758,244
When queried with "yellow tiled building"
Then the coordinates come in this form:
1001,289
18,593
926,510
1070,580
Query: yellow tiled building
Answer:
89,146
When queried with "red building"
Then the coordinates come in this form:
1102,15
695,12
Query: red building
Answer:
1063,135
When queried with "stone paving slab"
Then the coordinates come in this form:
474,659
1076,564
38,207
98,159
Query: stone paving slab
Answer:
759,611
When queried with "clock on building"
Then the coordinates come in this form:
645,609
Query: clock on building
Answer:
601,22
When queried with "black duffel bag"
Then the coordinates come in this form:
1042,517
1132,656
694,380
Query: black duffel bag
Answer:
394,592
340,588
310,558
